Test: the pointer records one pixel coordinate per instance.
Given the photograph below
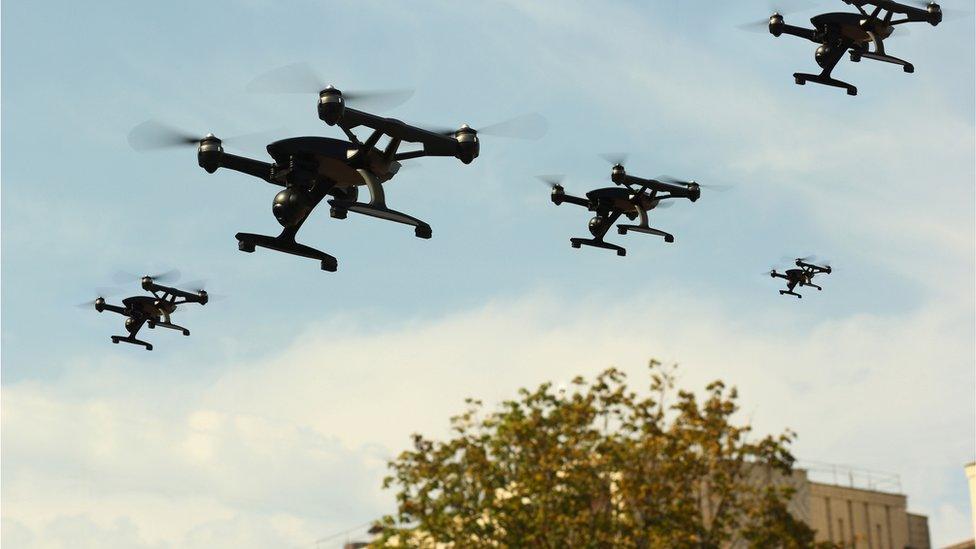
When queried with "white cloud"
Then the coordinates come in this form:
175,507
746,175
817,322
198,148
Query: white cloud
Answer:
284,450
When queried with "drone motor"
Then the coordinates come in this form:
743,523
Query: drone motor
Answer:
331,105
209,152
468,145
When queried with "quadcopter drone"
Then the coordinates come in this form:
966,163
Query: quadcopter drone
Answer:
839,32
154,310
803,276
633,197
312,168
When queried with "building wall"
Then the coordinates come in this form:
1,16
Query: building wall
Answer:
864,519
971,475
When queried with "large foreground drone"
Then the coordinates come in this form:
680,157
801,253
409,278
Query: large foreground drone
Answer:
312,168
840,32
801,276
154,310
633,197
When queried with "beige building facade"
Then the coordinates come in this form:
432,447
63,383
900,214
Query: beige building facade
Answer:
859,518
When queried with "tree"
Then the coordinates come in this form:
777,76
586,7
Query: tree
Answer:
597,466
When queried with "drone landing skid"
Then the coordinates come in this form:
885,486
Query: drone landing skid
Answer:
788,292
622,229
170,326
247,241
802,78
340,207
132,340
905,65
577,242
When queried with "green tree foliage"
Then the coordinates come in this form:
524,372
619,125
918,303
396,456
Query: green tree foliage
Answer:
597,465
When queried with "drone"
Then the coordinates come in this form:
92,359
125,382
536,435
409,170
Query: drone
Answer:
802,276
312,168
633,197
839,32
154,310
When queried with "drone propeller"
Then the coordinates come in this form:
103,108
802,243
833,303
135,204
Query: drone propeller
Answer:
617,159
947,14
198,286
101,293
153,135
552,180
302,78
122,277
779,7
675,181
526,126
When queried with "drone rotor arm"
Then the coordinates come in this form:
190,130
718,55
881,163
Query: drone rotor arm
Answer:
809,34
113,308
434,144
211,158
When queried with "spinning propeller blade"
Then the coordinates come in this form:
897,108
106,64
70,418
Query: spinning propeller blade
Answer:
101,293
302,78
675,181
123,277
153,135
780,7
197,286
552,180
947,14
617,159
526,126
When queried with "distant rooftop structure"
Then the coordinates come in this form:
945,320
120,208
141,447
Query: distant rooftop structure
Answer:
851,477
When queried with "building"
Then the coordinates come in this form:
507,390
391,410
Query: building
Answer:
857,508
971,475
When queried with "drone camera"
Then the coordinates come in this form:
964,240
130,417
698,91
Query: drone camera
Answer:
596,225
468,145
331,105
618,175
209,152
776,24
823,55
291,206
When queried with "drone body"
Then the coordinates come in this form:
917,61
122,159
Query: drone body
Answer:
632,198
838,33
154,310
312,168
801,276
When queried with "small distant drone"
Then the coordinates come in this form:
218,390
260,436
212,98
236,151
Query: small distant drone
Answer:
803,276
633,197
312,168
842,31
152,310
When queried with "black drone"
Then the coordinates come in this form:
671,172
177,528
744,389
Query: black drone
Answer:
312,168
802,276
154,310
840,32
633,197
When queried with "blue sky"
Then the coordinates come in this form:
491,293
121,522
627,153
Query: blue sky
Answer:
310,380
